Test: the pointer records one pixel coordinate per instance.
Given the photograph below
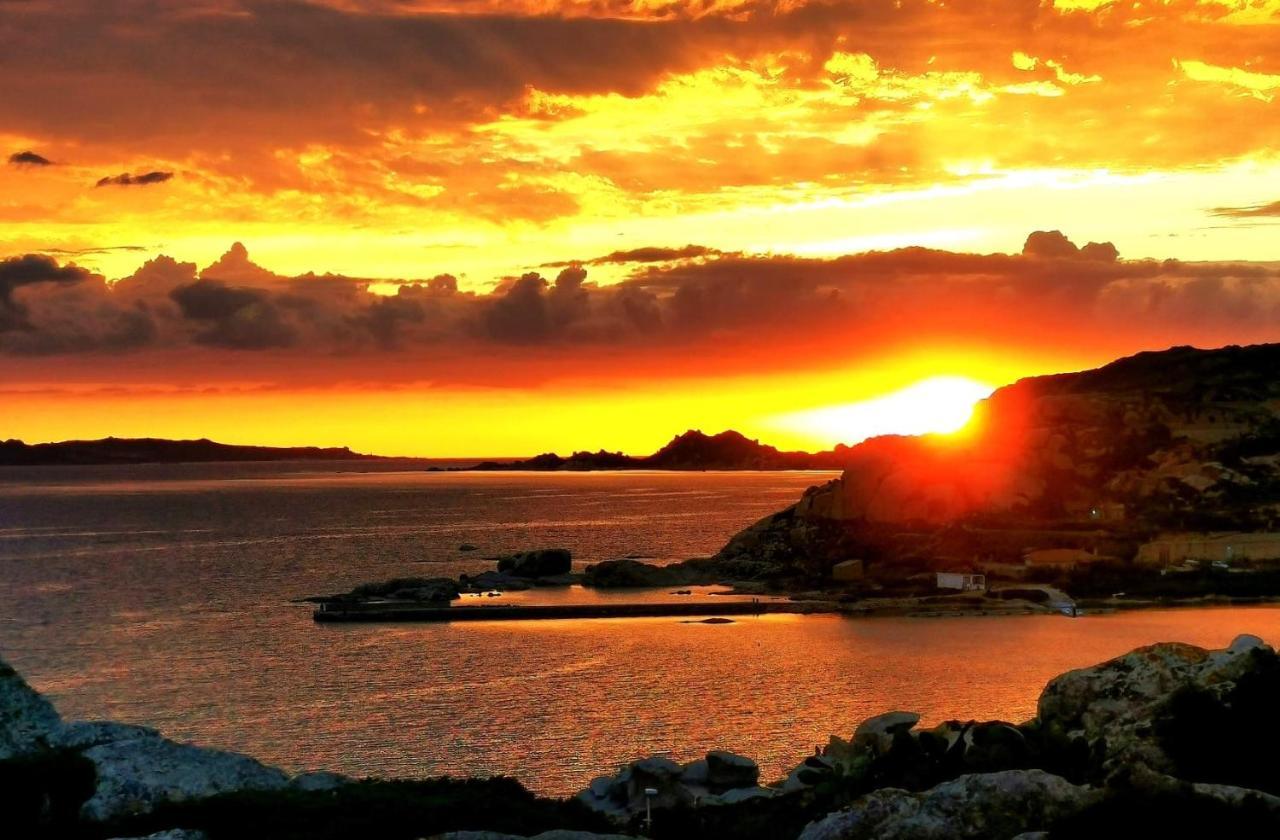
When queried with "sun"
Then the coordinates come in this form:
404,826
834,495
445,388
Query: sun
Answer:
936,405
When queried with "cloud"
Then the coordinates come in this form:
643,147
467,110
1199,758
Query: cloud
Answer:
29,158
1249,212
31,269
730,312
126,179
1053,244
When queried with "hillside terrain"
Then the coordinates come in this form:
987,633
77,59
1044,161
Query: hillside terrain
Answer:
1099,463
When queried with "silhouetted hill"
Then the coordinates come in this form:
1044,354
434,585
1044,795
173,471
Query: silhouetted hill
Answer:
692,450
1181,440
155,450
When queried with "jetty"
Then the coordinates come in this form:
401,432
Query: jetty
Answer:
367,612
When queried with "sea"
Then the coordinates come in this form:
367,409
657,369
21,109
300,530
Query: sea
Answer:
167,595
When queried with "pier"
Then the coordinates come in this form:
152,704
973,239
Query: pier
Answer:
331,612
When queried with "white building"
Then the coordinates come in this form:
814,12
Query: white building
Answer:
963,581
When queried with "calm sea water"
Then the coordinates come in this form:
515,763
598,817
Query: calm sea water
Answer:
161,595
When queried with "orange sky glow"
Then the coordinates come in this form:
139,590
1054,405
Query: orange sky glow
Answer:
501,227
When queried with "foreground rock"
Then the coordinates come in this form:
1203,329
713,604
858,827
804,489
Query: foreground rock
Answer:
1168,740
987,805
137,774
27,721
722,778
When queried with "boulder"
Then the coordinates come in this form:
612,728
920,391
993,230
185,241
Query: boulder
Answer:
137,774
876,734
1112,709
623,796
981,805
725,770
27,720
544,562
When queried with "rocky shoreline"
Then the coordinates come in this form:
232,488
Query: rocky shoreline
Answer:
1165,739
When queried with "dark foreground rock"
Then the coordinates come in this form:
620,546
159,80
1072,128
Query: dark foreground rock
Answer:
986,805
1168,740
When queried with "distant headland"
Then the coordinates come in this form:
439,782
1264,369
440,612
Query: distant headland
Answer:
692,450
155,450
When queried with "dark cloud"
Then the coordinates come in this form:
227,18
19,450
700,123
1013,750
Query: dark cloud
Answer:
646,255
1250,212
29,158
25,271
125,179
1053,244
234,318
771,303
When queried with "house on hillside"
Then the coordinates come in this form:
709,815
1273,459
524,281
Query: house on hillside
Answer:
1177,549
963,581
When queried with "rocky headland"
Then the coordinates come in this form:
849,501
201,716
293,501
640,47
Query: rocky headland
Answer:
1167,740
692,450
1152,480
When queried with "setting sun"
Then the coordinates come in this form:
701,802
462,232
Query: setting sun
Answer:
939,404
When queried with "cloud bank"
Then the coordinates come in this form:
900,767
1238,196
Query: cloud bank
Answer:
728,310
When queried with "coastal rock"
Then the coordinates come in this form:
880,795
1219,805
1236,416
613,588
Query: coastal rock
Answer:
81,735
726,770
137,774
1112,708
876,734
492,581
624,573
982,805
545,562
27,720
438,590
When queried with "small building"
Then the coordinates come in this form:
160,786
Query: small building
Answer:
848,571
963,581
1178,549
1057,558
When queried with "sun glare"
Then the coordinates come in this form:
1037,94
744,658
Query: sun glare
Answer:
939,405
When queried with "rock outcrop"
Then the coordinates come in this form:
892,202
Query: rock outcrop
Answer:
539,563
721,778
28,721
1163,739
136,774
981,806
1183,439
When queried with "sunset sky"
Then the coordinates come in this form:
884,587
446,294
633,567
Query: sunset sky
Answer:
500,227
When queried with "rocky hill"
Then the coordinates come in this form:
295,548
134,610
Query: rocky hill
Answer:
156,450
692,450
1183,439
